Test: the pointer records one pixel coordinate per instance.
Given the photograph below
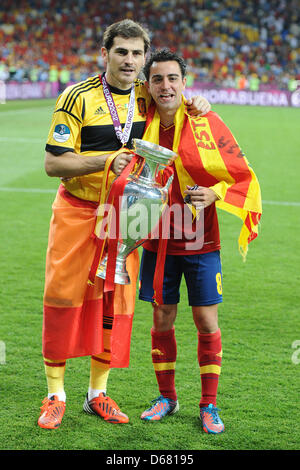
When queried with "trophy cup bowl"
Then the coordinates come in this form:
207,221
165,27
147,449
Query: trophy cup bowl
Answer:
144,196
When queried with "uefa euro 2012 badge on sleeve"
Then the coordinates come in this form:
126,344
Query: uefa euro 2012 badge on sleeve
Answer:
61,133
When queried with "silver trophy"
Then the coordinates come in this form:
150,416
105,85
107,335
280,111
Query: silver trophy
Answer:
142,205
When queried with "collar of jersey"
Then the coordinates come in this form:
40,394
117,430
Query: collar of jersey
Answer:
117,91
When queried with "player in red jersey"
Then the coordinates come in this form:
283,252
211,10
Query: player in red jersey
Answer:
205,174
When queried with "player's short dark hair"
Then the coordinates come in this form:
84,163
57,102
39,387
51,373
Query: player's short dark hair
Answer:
163,55
127,29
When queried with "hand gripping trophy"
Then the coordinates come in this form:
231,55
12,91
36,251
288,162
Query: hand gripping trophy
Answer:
143,203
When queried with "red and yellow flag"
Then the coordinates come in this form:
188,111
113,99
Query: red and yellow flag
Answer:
209,155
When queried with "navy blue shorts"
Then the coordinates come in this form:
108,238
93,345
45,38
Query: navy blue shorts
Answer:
203,277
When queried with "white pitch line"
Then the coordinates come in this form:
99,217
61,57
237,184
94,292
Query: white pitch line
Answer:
28,190
24,111
41,191
23,140
281,203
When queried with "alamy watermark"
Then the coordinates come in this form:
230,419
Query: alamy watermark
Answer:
2,353
2,92
295,96
296,353
142,220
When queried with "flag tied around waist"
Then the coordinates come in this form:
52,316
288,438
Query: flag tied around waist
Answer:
115,302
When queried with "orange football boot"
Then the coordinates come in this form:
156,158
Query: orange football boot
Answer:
52,412
106,408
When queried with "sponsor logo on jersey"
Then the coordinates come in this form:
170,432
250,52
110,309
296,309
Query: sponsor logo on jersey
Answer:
61,133
119,107
100,110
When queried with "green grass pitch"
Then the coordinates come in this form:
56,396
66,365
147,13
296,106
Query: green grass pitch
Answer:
259,316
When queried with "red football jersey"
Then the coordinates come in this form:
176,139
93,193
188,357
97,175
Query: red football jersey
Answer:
187,236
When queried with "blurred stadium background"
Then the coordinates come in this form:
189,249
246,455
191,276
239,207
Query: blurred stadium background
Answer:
236,44
238,52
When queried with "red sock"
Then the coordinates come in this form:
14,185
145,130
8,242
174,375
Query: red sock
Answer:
209,358
164,352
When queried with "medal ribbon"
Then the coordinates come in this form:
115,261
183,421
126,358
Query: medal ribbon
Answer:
124,135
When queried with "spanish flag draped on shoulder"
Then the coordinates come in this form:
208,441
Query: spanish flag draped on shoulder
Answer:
205,146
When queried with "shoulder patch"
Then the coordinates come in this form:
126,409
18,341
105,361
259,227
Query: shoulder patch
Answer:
61,133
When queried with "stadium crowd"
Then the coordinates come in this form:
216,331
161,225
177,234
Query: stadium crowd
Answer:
233,43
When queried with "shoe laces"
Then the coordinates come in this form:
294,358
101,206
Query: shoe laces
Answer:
157,401
110,401
48,402
213,410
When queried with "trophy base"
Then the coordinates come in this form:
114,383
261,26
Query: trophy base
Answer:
121,275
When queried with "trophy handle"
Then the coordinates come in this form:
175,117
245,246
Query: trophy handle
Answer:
169,182
141,188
